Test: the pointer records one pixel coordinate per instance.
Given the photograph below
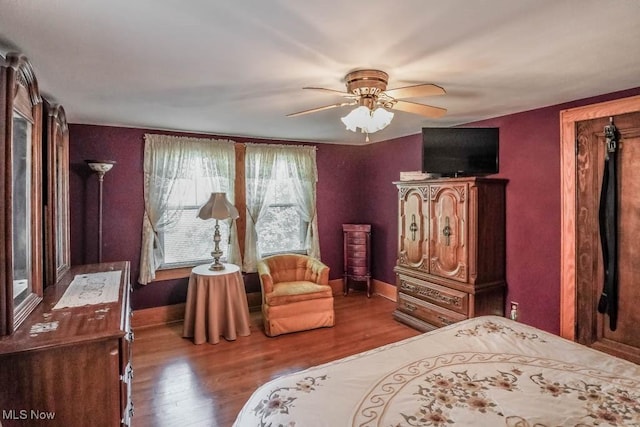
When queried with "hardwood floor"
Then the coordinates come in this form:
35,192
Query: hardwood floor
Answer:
177,383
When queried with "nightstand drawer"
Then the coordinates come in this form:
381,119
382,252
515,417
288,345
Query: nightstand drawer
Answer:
427,312
450,299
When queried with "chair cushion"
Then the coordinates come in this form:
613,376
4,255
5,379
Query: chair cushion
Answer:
287,268
299,290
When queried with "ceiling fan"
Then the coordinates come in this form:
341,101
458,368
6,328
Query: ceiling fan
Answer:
368,90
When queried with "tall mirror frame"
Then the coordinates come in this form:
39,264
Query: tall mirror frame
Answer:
57,250
21,234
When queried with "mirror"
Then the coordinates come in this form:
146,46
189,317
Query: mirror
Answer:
21,209
57,253
20,194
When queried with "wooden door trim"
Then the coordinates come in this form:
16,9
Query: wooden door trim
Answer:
568,178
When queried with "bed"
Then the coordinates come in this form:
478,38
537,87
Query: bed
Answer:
485,371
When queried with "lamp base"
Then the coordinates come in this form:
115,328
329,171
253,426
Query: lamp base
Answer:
216,266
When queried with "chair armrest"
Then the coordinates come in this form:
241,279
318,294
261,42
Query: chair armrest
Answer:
266,281
320,271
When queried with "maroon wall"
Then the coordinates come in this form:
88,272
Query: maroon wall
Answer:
123,204
383,163
355,185
530,160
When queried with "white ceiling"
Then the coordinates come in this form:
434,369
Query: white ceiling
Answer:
238,67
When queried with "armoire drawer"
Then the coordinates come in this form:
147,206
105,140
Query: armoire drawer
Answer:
427,312
448,298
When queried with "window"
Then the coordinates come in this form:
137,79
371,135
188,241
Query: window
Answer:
281,201
281,227
278,208
180,175
188,240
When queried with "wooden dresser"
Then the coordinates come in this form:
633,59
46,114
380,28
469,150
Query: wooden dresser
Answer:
70,366
357,255
451,250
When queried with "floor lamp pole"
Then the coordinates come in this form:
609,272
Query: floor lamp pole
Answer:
100,167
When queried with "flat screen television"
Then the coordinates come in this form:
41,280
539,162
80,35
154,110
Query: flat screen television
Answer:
460,151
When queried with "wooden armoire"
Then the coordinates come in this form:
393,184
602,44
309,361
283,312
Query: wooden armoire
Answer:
451,250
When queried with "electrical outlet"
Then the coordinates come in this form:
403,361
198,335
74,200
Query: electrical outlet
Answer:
514,311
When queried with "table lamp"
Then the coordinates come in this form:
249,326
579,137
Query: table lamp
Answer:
217,207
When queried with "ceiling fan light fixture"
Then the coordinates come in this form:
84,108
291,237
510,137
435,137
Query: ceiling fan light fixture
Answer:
367,120
381,118
357,118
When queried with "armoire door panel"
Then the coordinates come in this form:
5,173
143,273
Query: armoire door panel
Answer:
413,251
447,239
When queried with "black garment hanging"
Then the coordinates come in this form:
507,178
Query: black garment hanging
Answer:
608,213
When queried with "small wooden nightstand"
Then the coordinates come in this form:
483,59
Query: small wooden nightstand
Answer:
357,255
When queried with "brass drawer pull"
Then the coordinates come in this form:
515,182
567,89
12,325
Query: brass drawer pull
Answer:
410,307
407,287
445,321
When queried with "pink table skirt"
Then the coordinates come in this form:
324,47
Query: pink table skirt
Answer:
216,306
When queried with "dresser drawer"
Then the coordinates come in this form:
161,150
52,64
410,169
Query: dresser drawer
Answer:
450,299
356,240
427,312
357,252
357,271
357,262
352,235
356,248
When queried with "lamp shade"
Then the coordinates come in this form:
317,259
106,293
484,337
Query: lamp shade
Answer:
100,166
380,119
218,207
368,121
358,118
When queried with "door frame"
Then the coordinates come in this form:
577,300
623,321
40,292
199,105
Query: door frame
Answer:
568,178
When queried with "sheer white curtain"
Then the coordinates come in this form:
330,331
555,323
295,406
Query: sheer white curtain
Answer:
301,163
260,174
260,160
168,159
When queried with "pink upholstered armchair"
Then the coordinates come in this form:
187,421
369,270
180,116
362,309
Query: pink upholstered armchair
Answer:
296,295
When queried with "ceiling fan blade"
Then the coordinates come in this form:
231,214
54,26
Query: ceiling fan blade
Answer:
415,91
313,110
335,92
421,109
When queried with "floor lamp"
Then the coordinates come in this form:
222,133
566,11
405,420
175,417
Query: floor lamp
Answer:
100,167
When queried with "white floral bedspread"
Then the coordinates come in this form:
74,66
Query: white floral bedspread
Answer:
487,371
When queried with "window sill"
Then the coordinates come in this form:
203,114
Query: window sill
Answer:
172,273
177,272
